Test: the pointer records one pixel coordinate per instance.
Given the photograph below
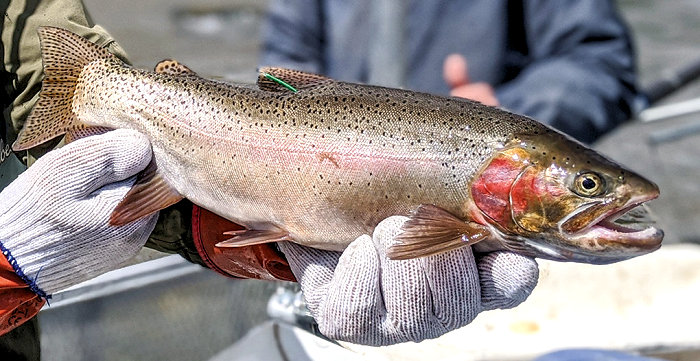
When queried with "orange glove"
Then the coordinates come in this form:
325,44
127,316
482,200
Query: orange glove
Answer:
262,261
18,303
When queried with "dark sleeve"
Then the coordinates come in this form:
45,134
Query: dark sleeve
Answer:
293,35
173,232
580,77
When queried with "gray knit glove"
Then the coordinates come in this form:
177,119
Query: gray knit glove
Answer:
363,297
54,217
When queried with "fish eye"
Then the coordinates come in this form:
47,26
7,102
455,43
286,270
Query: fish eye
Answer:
588,184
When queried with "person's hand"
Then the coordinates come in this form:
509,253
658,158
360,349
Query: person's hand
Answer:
54,217
456,75
363,297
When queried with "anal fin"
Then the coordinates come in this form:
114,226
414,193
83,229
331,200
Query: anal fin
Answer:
432,230
148,195
249,237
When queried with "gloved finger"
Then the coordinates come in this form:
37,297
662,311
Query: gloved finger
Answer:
507,279
313,269
102,202
453,281
99,160
353,309
88,218
108,248
405,288
128,239
342,291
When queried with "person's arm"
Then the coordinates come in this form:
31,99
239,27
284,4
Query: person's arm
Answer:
21,75
580,76
54,220
293,35
23,72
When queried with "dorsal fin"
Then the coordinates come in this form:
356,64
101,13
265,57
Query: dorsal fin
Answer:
285,80
173,67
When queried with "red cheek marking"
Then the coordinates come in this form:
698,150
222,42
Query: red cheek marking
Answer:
527,190
490,191
532,192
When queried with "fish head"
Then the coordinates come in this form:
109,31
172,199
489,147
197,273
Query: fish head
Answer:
552,197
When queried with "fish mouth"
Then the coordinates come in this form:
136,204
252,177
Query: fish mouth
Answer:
628,224
615,235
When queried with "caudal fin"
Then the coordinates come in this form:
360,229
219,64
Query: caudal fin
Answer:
65,54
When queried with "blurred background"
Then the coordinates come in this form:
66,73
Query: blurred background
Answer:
164,308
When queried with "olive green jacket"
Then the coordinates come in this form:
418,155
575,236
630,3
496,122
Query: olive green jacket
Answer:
21,75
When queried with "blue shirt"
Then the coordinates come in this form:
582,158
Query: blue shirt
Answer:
567,63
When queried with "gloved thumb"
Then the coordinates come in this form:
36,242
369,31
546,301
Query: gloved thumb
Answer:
506,279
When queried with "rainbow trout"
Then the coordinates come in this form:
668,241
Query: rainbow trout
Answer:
307,159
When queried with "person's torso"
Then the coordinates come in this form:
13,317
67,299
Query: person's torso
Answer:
486,32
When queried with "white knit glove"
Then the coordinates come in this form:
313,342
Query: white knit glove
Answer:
54,217
363,297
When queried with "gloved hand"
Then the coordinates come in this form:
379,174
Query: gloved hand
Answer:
54,217
363,297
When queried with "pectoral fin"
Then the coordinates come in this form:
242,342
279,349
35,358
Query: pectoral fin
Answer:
149,194
249,237
432,230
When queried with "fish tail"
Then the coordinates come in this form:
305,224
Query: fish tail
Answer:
64,55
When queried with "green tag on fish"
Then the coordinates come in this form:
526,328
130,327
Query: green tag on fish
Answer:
280,82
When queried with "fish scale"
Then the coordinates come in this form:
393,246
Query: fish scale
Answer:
307,159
